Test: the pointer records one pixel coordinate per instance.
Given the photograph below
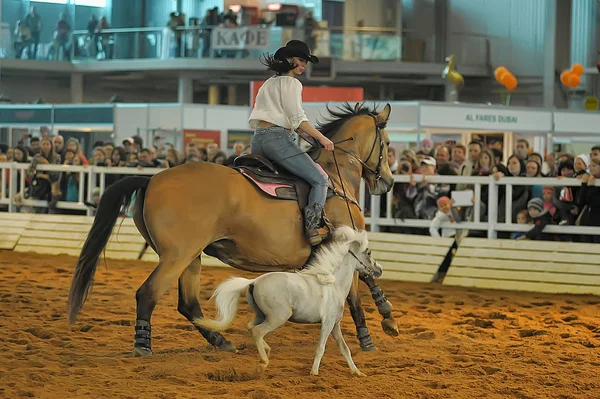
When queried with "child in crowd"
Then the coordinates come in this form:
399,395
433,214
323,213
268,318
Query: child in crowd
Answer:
547,192
540,218
522,218
445,213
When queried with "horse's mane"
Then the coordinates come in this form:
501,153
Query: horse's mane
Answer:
330,255
342,114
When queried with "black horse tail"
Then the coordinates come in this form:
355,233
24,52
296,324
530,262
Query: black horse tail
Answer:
116,196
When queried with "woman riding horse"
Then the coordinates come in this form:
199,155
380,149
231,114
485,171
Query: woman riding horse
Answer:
277,112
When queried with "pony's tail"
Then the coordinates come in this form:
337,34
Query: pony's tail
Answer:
116,196
226,298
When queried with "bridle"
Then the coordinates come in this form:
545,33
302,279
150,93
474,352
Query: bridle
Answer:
377,171
370,272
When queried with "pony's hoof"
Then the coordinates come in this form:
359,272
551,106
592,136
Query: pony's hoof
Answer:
359,374
228,347
314,373
260,368
141,352
390,327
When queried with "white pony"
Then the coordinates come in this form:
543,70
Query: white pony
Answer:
316,294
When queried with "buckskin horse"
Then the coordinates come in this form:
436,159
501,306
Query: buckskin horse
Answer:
249,218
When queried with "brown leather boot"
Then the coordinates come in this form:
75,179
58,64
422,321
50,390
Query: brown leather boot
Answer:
314,226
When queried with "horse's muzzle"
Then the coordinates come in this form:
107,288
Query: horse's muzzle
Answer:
378,270
382,186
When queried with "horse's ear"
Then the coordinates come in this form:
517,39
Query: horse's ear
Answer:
384,115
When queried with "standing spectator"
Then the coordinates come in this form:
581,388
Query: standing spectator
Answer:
59,145
522,150
23,39
589,198
426,147
458,154
533,169
34,22
62,39
595,154
176,21
442,154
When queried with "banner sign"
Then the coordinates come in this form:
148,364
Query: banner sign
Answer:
243,136
245,38
201,137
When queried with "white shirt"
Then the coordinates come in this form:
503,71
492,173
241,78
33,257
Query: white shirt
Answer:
440,218
279,101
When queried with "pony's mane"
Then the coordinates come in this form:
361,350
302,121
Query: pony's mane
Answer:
330,255
342,114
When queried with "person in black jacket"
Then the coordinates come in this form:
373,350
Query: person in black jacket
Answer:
589,198
540,218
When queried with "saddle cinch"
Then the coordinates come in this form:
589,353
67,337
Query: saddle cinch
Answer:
274,180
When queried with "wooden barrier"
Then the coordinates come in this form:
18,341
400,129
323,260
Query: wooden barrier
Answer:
65,234
12,226
404,257
537,266
409,257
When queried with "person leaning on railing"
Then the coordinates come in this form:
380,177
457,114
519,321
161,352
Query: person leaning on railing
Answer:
589,199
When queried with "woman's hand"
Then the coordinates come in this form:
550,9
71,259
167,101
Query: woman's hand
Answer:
326,143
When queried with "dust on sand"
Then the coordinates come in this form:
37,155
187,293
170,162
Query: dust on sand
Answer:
453,343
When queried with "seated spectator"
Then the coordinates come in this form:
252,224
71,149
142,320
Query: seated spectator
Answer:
540,219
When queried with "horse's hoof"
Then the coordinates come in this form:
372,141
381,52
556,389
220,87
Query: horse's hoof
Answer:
228,347
368,347
390,327
141,352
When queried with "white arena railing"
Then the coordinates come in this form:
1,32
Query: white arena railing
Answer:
88,174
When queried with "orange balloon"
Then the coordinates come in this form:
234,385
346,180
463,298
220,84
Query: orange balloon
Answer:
499,72
564,77
574,80
577,69
506,77
512,83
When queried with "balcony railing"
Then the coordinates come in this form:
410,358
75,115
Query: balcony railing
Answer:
247,42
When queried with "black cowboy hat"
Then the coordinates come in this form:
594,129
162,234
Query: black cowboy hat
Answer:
296,48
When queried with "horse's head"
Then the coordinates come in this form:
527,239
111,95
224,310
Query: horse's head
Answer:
359,251
378,176
361,135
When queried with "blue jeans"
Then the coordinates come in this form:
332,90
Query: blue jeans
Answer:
277,145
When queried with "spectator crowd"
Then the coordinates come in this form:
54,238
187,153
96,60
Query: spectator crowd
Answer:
538,205
65,186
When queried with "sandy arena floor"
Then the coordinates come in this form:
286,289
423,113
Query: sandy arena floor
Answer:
453,343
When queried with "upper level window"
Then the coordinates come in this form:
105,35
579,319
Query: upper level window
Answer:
91,3
50,1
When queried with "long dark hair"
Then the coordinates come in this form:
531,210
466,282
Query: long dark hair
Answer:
278,65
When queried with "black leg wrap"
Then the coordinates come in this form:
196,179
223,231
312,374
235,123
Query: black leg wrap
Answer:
364,338
142,340
384,307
